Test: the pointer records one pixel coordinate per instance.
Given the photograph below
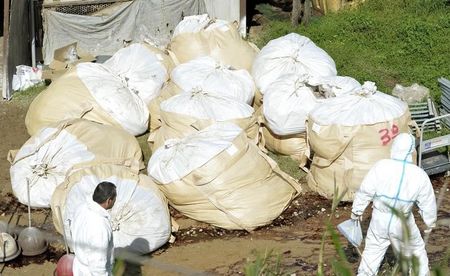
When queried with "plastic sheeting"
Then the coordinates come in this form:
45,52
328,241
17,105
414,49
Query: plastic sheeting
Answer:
140,217
104,35
291,53
47,156
141,70
219,177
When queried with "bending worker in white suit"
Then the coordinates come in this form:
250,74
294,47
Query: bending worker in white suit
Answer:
92,234
399,184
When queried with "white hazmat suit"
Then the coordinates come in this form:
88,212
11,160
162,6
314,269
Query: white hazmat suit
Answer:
92,240
395,183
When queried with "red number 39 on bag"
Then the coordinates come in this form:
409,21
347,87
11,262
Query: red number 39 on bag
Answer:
386,135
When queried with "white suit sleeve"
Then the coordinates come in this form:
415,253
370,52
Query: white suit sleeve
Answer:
426,202
365,193
97,260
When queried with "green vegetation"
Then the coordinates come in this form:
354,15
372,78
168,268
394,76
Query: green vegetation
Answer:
388,42
26,97
267,264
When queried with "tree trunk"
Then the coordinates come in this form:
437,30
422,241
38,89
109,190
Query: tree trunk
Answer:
306,12
295,15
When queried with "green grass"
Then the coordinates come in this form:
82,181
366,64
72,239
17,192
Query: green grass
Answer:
142,139
26,97
389,42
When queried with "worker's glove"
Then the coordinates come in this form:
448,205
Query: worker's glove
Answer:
356,217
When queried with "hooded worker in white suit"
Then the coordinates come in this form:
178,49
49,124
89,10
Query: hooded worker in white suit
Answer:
398,184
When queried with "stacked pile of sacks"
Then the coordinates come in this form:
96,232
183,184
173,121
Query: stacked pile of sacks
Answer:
310,111
205,122
82,131
204,132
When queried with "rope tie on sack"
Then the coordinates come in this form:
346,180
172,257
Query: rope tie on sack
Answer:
367,89
198,92
42,170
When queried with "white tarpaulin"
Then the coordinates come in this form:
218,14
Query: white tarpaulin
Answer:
151,19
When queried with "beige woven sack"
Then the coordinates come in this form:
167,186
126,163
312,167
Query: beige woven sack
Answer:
140,217
69,98
344,154
70,92
227,47
179,125
294,146
169,89
49,155
240,188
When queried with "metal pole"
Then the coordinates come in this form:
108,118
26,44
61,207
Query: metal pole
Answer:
63,228
29,202
33,35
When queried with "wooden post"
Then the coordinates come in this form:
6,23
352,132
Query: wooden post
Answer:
306,12
5,92
296,9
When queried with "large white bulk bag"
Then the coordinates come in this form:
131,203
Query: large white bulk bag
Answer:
93,92
287,103
291,53
189,112
207,74
192,24
216,77
219,177
198,36
140,217
141,70
349,134
47,156
335,86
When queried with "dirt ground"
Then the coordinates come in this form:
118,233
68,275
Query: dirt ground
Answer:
200,248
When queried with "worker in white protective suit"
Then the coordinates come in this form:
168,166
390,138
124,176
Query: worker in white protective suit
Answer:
399,184
92,236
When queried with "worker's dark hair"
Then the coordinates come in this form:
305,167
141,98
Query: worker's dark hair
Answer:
103,191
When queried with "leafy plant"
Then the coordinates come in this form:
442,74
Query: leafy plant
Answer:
267,264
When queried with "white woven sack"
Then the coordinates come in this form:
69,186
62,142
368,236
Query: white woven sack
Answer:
115,97
217,176
291,53
45,159
215,77
179,157
287,103
191,24
335,86
140,217
141,70
205,105
362,107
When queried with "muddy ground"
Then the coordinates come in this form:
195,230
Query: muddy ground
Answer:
199,248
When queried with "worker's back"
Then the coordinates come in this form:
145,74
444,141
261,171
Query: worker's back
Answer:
92,240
